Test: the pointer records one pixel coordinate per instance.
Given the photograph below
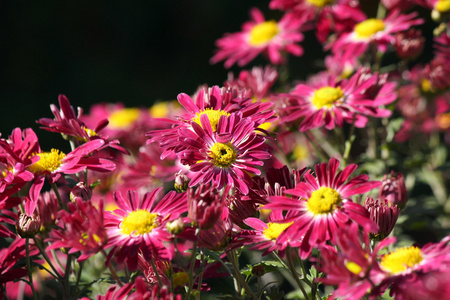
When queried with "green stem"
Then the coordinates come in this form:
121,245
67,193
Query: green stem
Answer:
191,270
66,285
80,266
231,256
61,203
295,274
47,259
316,148
113,272
30,272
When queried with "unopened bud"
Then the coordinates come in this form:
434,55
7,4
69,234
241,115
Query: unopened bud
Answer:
409,44
28,226
258,270
393,189
385,214
175,227
181,182
82,191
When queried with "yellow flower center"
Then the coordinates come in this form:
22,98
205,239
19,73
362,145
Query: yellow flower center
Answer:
300,152
263,32
320,3
89,132
274,230
443,121
426,86
139,222
48,162
442,6
159,110
180,279
353,267
369,27
122,118
223,154
401,259
213,116
323,200
85,236
326,96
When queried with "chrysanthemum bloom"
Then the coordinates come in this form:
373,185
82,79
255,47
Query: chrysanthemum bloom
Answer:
213,102
69,124
127,124
265,235
328,102
323,205
442,45
393,189
437,73
82,229
422,270
140,225
225,157
205,205
258,81
329,15
385,214
29,223
137,290
377,31
409,44
352,266
260,36
14,154
9,256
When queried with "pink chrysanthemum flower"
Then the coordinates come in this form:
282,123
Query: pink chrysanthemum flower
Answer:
417,273
265,235
352,266
330,15
328,102
82,229
213,102
258,81
323,205
227,156
260,36
69,124
377,31
140,225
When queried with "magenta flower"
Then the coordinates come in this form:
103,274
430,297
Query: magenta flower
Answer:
352,266
258,81
82,229
417,273
140,225
377,31
266,235
227,156
329,15
213,102
328,102
324,205
260,36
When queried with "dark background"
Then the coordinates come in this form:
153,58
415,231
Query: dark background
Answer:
134,52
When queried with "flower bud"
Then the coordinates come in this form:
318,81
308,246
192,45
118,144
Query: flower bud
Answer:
181,182
82,191
393,189
175,227
258,270
409,44
205,206
385,214
28,226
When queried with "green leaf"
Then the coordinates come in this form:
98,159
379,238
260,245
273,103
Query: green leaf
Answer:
273,293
